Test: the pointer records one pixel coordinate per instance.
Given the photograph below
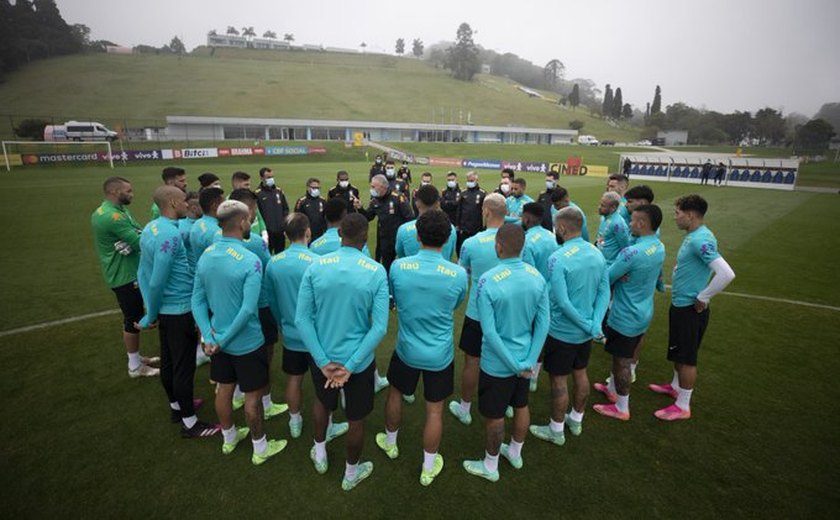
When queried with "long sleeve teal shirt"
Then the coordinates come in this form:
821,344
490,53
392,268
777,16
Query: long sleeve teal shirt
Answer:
164,274
342,312
281,283
540,244
478,254
634,276
427,290
409,245
228,279
514,311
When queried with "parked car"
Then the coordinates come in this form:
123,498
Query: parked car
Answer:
644,142
607,142
79,131
587,139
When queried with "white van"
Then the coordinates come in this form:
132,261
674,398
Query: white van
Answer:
88,131
587,139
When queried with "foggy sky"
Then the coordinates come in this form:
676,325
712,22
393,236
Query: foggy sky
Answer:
716,54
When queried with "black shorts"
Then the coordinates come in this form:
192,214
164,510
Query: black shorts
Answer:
561,357
471,337
249,370
268,325
495,394
131,305
295,363
620,345
437,385
358,392
686,327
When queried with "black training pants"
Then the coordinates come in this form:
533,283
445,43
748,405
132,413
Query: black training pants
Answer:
178,339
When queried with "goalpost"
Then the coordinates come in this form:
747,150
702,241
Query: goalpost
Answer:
107,144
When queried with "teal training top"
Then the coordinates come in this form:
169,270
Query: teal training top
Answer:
202,234
427,290
634,277
580,291
255,244
281,284
409,245
613,236
342,312
478,254
515,204
184,227
623,211
330,242
164,274
227,282
540,244
514,311
584,230
692,271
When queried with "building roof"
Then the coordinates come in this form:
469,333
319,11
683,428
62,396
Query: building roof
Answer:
329,123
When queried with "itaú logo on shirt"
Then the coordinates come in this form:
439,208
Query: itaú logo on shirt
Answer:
447,271
501,276
409,266
234,253
367,265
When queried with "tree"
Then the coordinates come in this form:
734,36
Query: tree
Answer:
830,112
769,126
576,124
553,72
618,104
574,97
270,35
737,125
417,48
31,129
232,30
627,111
647,111
82,34
248,32
813,137
400,47
656,106
463,56
212,32
363,45
607,106
288,37
177,46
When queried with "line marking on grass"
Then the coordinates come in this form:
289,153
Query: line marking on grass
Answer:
83,317
49,324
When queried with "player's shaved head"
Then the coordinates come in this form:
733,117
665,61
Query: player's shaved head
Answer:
230,214
509,241
570,218
354,230
165,194
113,184
495,205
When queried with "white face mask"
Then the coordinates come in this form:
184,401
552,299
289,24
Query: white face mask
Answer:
549,185
505,188
374,193
451,184
425,183
389,172
315,192
471,184
344,184
269,182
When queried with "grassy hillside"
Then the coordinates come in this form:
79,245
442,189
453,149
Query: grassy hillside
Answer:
113,89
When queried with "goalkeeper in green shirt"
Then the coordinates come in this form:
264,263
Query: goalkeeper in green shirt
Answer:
117,240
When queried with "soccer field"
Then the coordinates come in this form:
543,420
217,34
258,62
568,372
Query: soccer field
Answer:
83,440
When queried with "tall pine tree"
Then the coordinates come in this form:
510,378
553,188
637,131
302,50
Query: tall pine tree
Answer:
574,97
656,106
618,104
607,107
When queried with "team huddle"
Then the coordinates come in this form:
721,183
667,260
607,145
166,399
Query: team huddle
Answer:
214,275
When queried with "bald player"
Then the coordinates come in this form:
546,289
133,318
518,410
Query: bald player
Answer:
166,284
478,254
514,312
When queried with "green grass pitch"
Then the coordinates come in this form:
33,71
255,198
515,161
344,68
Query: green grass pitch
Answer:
82,440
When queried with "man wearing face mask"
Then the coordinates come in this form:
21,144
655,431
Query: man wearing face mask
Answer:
391,210
425,180
404,173
468,220
504,187
449,197
312,205
395,184
344,190
378,168
274,209
545,200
